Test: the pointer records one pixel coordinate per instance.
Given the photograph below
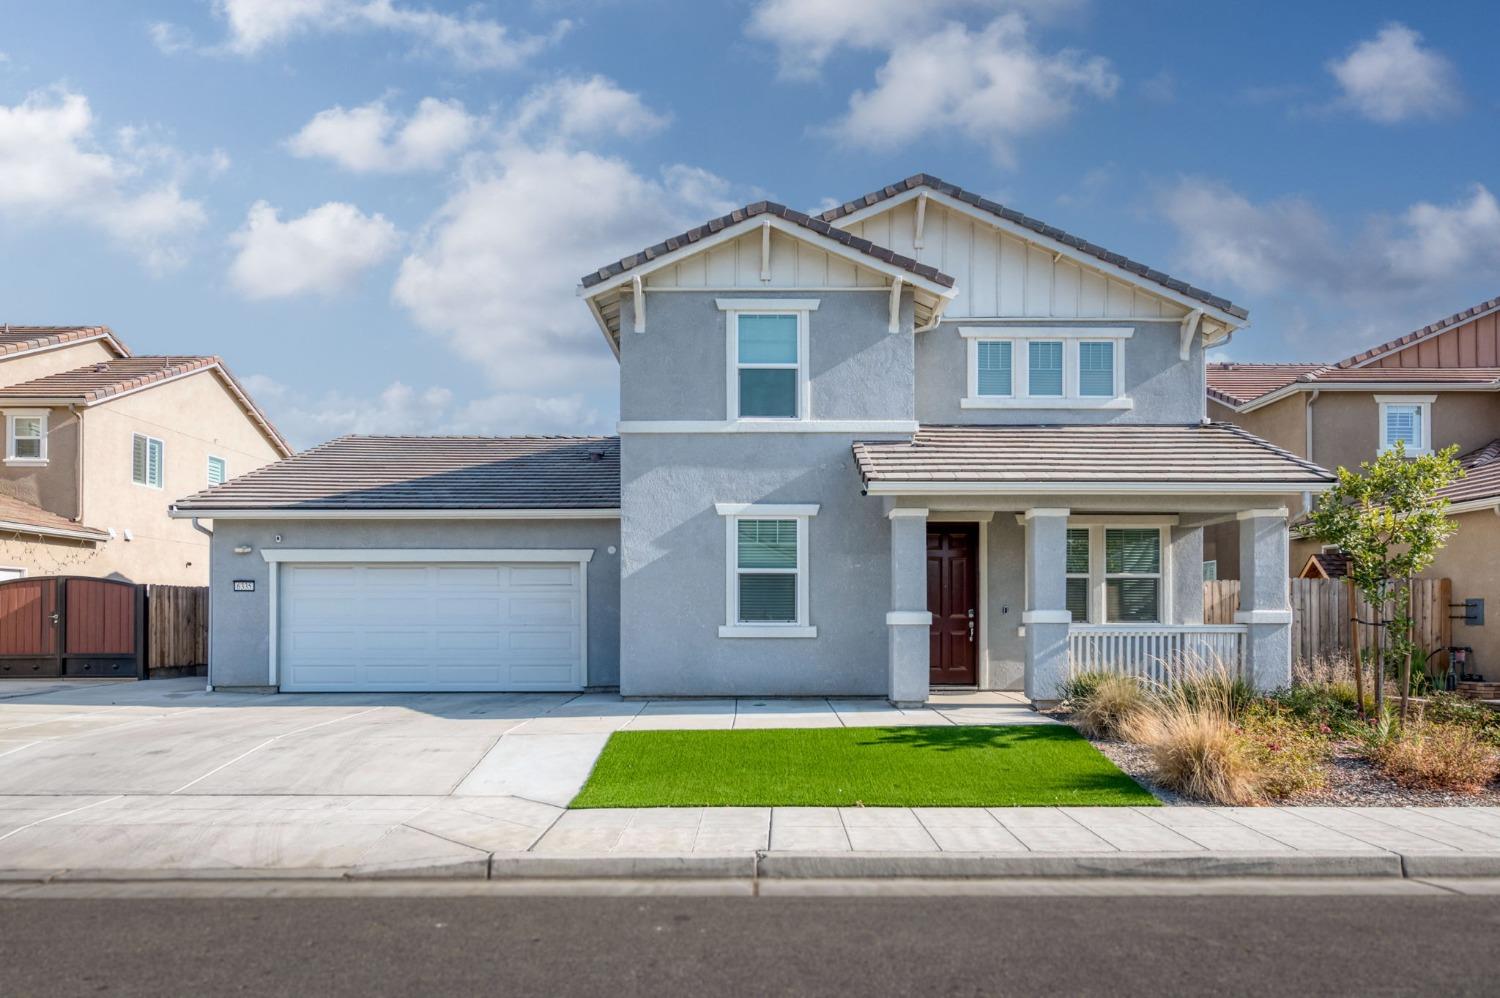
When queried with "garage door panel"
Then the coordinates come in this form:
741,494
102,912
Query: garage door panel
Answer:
431,627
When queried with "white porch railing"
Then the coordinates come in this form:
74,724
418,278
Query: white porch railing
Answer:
1156,652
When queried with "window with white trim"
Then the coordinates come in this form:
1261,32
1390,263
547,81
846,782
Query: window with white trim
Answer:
767,377
1116,574
1210,570
1406,419
766,580
217,470
146,460
1013,367
26,437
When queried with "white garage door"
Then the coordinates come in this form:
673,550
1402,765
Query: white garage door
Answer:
431,627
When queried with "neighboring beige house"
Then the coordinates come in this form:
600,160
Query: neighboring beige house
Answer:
97,443
1434,387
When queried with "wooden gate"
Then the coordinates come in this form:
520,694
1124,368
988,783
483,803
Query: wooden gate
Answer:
72,626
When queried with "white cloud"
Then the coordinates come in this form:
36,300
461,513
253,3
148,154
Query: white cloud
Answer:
1408,262
807,32
400,408
322,252
471,42
579,109
992,85
53,165
1392,78
371,139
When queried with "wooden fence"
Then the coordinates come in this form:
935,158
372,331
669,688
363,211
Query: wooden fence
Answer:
176,627
1320,616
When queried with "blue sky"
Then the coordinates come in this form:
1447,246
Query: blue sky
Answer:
377,210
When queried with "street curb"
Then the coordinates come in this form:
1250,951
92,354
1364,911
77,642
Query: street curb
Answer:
1193,865
1461,864
535,866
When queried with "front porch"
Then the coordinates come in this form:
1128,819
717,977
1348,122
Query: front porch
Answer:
1022,555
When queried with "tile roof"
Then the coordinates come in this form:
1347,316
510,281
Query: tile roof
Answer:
1333,564
1111,453
1237,383
1481,475
1040,228
413,473
94,383
1456,319
22,339
17,515
816,225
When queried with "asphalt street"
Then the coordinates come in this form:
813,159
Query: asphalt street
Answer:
623,947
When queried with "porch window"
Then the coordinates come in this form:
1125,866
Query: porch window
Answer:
1078,574
1132,575
766,584
1406,419
26,437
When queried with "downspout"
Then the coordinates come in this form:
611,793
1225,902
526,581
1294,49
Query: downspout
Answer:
78,462
1307,447
209,665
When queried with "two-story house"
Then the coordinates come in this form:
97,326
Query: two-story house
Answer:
1431,388
920,440
98,440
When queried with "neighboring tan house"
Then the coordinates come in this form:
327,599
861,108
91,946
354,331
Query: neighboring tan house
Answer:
1430,389
97,440
920,440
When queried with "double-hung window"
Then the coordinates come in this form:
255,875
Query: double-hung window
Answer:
1115,575
1035,367
146,460
766,581
1407,420
767,350
26,437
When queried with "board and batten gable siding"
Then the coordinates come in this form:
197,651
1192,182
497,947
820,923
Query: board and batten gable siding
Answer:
795,263
1475,343
1000,275
678,368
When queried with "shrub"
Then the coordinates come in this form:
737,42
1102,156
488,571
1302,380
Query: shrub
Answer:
1450,708
1110,706
1330,709
1217,688
1196,751
1289,758
1435,756
1081,685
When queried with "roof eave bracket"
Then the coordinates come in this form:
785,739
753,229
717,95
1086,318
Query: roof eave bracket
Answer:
638,303
1190,324
895,323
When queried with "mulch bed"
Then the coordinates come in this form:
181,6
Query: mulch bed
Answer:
1352,782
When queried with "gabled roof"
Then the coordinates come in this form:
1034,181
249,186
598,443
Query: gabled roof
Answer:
1235,383
1100,458
1051,232
20,517
461,474
1364,357
29,339
1325,564
1250,386
93,384
771,209
1481,482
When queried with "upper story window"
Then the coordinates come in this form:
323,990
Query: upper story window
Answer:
1013,367
217,470
1406,419
146,460
767,352
26,436
1115,575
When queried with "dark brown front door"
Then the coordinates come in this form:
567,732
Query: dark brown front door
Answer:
953,599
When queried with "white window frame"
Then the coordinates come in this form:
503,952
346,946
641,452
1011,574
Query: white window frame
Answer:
1210,570
209,470
1099,578
1020,339
733,308
733,512
161,463
1088,612
11,415
1423,404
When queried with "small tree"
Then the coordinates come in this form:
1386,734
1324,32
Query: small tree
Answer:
1390,523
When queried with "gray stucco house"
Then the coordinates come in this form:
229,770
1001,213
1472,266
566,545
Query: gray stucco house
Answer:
919,440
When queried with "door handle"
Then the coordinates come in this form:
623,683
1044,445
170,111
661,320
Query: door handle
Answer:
971,632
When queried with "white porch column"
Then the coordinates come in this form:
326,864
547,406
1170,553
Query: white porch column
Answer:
1264,605
1046,616
909,623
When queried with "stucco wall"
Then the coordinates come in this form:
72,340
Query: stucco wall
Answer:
1346,425
240,622
54,485
1470,560
29,366
1164,388
677,368
193,417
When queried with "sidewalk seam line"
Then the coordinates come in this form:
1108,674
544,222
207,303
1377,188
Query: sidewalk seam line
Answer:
251,751
63,814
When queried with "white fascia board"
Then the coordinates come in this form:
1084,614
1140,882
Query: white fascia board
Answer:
7,526
754,222
1060,332
325,556
1046,242
1092,488
901,426
393,514
765,509
767,304
1384,387
1475,505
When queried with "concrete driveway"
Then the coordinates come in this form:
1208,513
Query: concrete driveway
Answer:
136,776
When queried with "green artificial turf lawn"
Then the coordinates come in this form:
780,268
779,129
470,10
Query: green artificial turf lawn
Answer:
958,766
